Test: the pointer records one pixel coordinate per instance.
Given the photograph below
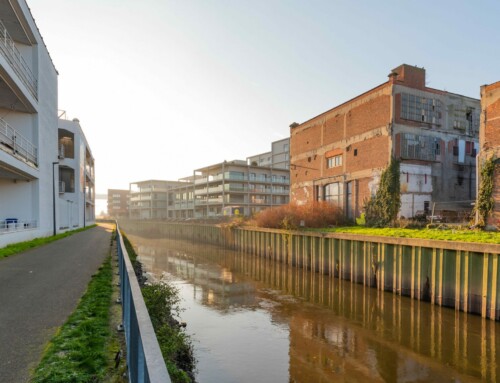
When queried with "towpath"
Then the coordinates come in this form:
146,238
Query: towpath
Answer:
39,289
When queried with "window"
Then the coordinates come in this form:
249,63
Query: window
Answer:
334,192
416,147
334,161
420,109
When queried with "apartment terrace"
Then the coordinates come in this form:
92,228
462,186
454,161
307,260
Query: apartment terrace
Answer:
10,52
16,144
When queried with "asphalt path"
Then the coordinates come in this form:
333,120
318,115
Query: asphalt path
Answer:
39,289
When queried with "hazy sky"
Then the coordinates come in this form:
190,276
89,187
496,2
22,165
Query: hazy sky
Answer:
165,87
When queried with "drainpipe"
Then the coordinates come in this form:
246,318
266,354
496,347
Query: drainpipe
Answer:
54,195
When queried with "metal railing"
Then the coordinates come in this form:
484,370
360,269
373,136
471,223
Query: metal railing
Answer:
144,358
11,225
20,145
13,56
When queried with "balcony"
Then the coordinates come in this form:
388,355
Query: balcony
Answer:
19,145
11,225
16,61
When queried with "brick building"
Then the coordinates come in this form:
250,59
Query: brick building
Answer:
489,139
338,155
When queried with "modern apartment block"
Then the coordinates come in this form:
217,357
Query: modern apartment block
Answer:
238,187
118,201
152,199
28,128
278,157
489,140
76,189
339,155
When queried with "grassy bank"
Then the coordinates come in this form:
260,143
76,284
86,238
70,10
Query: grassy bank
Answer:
23,246
162,301
444,234
81,350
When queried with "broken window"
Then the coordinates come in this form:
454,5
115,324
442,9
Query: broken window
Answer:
420,109
465,119
416,147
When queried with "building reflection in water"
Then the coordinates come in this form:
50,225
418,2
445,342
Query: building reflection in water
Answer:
338,331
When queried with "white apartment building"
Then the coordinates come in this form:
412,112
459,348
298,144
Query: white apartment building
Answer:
76,186
151,199
28,127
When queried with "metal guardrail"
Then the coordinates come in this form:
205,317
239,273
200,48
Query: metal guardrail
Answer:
16,60
20,145
144,359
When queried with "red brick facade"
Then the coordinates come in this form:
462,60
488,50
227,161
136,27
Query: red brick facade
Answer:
490,139
365,132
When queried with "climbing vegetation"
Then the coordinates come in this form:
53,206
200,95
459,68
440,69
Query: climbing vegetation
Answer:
485,202
382,209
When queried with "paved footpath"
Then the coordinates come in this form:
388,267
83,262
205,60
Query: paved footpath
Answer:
39,289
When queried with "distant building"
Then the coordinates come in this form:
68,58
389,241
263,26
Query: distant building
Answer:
76,187
152,199
489,140
277,158
339,155
238,187
118,201
28,128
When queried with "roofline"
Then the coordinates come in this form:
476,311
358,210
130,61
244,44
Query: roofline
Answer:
344,103
375,88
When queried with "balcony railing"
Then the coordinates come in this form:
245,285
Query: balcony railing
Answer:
13,56
14,140
11,225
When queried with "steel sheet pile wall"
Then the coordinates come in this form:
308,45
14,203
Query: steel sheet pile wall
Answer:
452,274
460,275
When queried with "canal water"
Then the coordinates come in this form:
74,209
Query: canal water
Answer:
255,320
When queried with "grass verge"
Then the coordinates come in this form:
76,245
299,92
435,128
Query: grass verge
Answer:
23,246
79,351
478,236
162,301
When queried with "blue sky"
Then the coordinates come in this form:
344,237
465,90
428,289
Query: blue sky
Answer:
165,87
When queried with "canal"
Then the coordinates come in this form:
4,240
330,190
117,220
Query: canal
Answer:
254,320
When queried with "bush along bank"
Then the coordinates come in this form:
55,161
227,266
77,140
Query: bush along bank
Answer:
162,301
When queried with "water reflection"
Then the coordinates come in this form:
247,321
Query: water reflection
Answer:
280,323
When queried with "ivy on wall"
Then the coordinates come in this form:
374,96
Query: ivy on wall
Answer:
485,202
382,209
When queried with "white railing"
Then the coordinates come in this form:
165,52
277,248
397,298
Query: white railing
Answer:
11,225
13,56
11,138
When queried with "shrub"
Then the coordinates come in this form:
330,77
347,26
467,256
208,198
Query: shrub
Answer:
382,209
313,214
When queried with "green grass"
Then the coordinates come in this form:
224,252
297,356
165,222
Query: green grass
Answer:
162,301
478,236
15,248
79,351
